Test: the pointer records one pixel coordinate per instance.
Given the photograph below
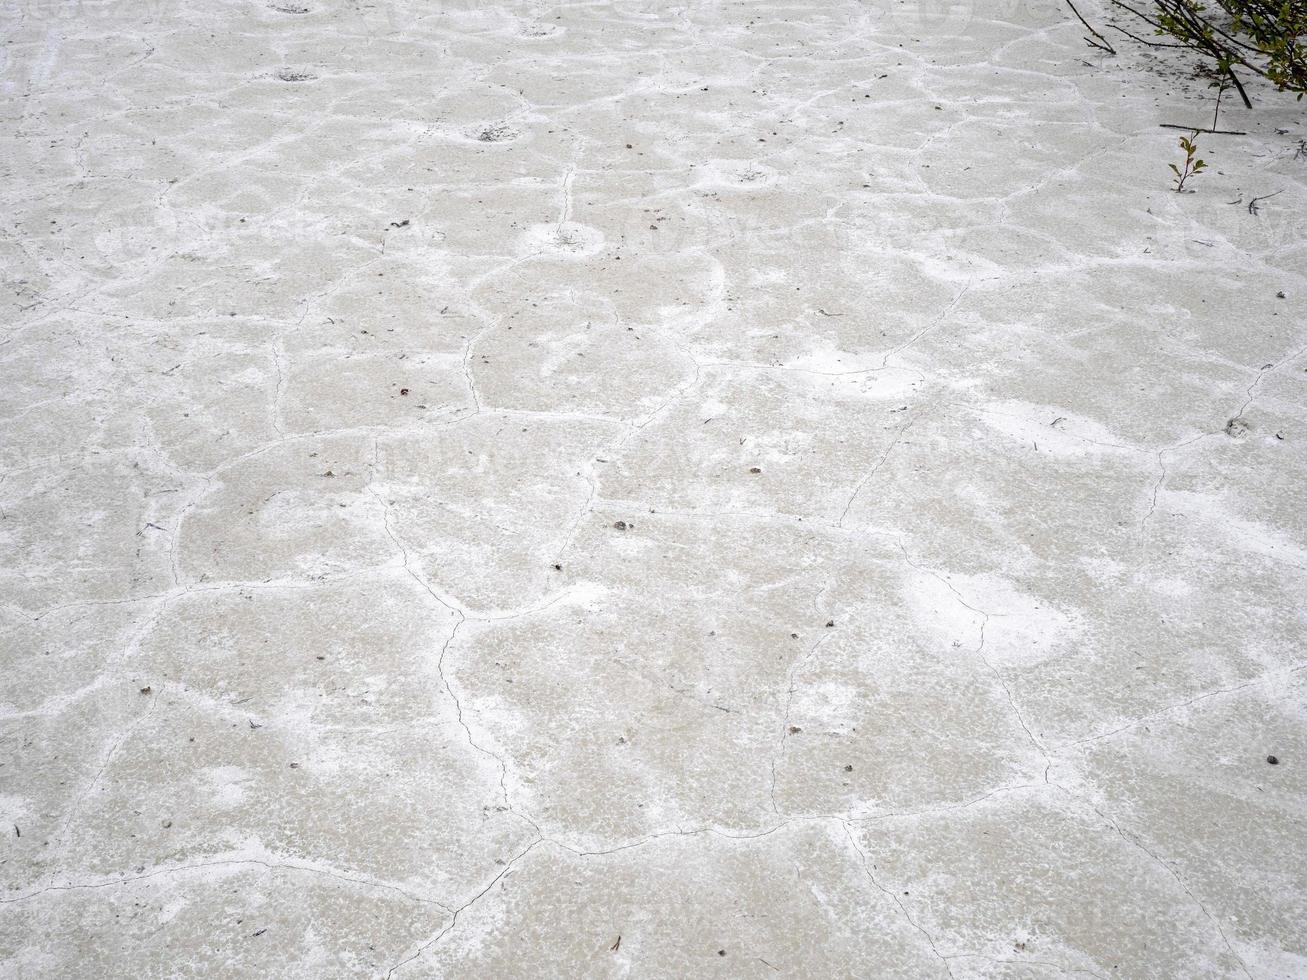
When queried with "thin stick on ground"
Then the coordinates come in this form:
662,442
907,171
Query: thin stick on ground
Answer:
1200,129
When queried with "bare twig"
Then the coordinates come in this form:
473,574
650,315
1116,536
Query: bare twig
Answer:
1252,205
1103,44
1200,129
1247,102
1145,41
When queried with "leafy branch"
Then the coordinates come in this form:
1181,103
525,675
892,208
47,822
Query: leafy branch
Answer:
1267,38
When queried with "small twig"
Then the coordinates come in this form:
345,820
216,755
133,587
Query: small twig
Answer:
1247,102
1252,205
1103,44
1199,129
1145,41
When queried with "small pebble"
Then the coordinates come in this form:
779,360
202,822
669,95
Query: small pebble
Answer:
1272,760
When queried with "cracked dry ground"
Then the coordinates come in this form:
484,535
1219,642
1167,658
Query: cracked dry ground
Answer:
718,490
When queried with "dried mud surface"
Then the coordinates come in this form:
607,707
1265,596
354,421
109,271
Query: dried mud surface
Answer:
621,489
